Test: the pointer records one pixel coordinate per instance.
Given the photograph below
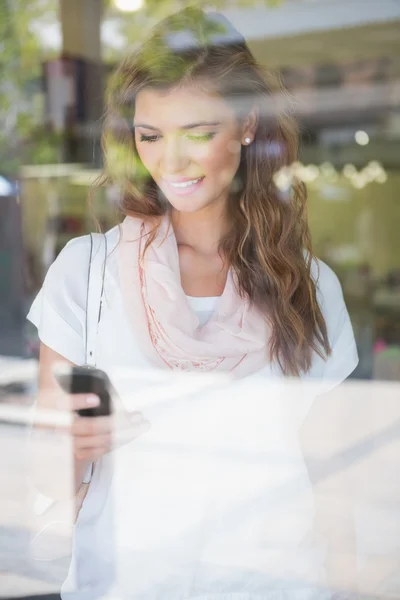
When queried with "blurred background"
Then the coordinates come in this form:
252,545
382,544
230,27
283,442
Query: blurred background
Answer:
339,60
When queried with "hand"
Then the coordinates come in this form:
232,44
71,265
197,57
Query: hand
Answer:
95,436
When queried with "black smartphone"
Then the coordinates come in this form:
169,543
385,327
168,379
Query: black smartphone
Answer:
87,380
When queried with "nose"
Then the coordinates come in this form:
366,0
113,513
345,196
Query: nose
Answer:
174,158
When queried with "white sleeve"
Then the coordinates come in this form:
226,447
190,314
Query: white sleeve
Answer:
59,309
344,357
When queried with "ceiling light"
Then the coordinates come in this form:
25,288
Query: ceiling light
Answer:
362,138
128,5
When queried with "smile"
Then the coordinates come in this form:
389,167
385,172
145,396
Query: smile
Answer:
184,184
185,188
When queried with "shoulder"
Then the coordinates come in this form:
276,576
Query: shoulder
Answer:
77,251
79,247
69,271
59,309
67,275
326,281
343,359
330,299
334,310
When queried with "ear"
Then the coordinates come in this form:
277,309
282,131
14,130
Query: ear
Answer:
250,126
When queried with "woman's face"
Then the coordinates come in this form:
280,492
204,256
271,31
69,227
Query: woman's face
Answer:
190,143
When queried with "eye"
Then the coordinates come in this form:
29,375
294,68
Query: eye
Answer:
202,138
149,138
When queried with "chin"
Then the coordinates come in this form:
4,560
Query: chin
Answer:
188,205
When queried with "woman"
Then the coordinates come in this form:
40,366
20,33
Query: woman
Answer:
212,268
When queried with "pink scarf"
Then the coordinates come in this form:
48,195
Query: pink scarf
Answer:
234,339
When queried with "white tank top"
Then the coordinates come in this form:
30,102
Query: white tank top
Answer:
203,307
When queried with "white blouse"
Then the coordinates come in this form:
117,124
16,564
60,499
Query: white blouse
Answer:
127,530
58,312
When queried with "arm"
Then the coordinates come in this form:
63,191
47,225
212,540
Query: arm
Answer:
51,397
85,439
59,313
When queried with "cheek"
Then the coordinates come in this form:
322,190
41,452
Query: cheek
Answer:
143,156
147,154
221,159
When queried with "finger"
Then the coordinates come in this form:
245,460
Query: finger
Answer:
97,425
103,440
80,401
91,426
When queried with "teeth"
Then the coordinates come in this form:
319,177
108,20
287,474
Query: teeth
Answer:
186,183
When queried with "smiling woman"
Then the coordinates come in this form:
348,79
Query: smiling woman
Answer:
205,133
213,271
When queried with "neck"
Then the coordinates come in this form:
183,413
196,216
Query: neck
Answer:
201,230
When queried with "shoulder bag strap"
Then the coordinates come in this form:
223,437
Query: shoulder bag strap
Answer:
95,290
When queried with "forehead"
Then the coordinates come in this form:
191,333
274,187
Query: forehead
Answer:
179,106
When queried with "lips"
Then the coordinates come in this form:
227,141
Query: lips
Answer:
183,182
184,186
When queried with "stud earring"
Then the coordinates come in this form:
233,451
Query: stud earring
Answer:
247,140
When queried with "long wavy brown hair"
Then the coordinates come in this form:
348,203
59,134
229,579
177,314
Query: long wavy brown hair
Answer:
269,245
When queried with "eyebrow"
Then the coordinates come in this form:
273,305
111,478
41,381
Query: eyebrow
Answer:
188,126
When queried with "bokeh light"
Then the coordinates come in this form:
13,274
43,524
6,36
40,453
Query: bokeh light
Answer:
362,138
128,5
